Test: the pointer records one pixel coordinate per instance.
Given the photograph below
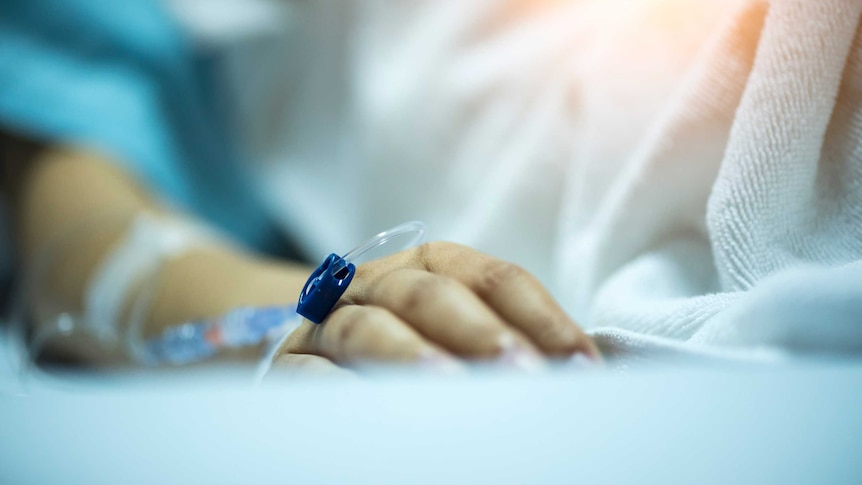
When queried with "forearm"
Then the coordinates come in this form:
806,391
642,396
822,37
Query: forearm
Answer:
75,206
431,304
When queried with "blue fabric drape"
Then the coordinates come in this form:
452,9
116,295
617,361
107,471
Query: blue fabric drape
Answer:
123,77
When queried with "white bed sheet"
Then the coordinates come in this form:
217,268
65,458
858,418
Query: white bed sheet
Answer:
789,424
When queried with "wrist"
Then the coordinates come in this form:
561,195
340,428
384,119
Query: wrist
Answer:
210,281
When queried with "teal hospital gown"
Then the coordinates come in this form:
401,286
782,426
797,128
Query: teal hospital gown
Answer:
124,78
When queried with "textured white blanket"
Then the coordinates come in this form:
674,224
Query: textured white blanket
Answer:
739,223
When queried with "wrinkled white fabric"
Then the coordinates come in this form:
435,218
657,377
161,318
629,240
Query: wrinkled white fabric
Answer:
685,172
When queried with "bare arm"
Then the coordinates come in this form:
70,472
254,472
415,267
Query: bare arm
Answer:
80,203
434,303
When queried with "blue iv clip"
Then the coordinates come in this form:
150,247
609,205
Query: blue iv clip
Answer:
324,287
328,282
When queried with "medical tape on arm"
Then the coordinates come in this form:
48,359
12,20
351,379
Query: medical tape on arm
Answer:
149,242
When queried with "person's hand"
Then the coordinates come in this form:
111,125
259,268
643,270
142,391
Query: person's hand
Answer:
435,304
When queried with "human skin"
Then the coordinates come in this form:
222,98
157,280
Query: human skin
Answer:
435,304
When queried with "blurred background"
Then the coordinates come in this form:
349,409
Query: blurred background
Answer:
579,139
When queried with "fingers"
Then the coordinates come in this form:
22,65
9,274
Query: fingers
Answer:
410,306
449,314
355,334
517,297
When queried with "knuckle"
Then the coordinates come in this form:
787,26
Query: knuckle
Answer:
393,278
408,288
425,254
424,287
433,247
428,255
497,274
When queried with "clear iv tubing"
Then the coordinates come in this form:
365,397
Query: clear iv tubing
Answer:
417,227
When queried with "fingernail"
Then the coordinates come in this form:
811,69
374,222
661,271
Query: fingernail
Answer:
518,356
